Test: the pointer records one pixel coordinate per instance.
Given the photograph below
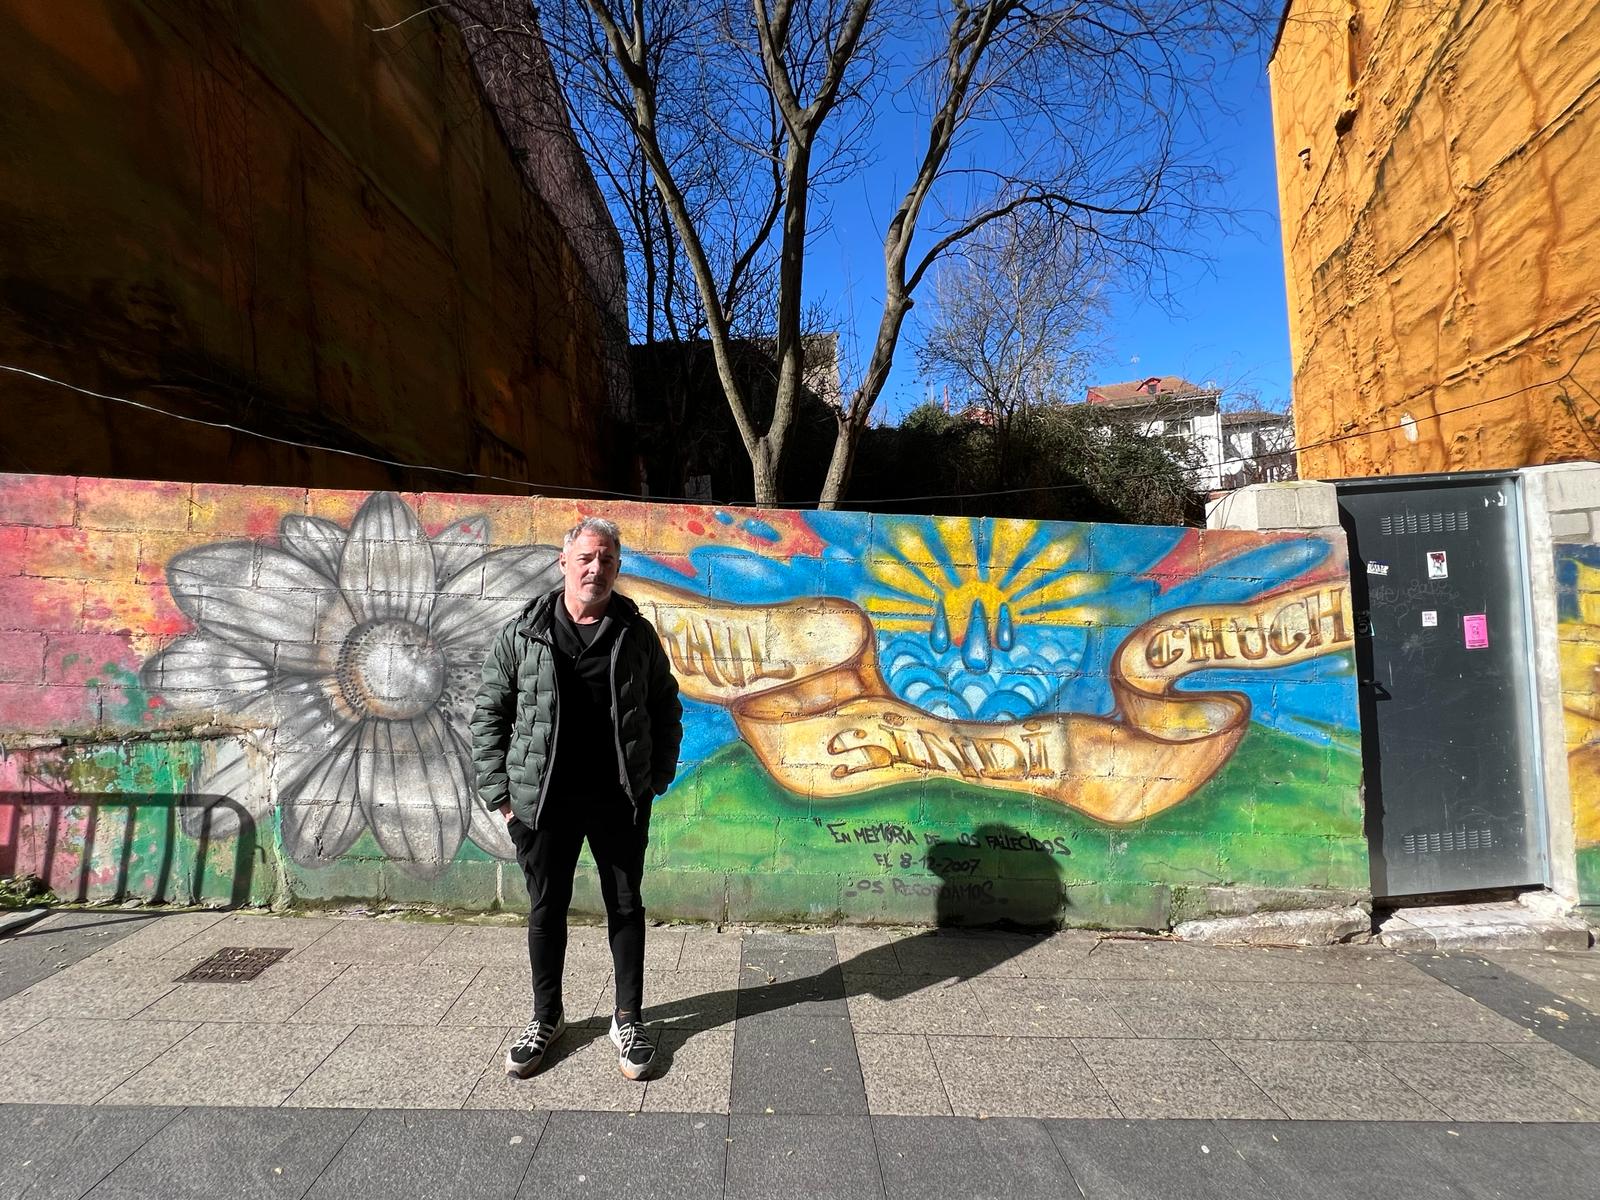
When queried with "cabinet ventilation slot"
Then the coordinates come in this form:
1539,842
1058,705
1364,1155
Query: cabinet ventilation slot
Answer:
1398,523
1448,841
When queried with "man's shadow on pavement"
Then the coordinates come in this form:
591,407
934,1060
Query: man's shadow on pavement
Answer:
998,890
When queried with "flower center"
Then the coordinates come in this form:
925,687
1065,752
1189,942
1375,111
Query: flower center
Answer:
391,669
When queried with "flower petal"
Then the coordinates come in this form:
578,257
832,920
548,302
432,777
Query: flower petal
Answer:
488,831
307,717
457,546
387,569
296,723
233,789
261,600
236,776
203,673
476,602
317,540
415,789
322,812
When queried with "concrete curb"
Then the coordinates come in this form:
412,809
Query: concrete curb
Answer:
1299,927
1482,927
12,920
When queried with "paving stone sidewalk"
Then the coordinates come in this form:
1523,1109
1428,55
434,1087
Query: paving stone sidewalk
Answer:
885,1060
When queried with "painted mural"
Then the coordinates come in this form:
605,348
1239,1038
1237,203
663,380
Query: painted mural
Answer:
1578,603
887,717
353,656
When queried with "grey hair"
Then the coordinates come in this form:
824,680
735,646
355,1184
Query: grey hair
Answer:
596,525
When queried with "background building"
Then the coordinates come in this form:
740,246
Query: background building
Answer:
309,220
1257,447
1437,182
1170,405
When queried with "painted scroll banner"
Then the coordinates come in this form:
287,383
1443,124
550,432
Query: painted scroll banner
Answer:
802,682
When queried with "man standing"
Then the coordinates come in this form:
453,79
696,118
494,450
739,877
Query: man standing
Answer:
575,731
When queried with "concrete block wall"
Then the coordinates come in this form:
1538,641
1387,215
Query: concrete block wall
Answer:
1295,504
256,695
1562,505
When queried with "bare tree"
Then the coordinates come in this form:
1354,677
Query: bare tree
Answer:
1017,314
745,116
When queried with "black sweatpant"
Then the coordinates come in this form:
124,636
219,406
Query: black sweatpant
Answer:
549,856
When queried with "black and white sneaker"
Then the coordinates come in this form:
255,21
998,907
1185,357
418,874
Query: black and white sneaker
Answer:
527,1052
635,1054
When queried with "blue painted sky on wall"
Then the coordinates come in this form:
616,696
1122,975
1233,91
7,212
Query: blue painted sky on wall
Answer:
1054,601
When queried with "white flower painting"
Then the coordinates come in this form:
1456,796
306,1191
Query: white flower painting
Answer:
348,660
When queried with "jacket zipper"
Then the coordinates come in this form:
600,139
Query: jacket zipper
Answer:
616,716
555,731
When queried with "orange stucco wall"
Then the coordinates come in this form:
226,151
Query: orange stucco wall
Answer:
1438,184
279,216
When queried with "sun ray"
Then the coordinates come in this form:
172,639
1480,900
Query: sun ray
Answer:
884,608
1061,585
909,542
914,623
1007,549
982,549
1059,554
903,577
1045,551
957,580
955,545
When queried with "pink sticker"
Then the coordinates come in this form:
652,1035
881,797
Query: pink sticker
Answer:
1476,628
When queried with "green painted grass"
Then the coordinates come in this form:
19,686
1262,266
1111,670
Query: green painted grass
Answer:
1589,875
1283,812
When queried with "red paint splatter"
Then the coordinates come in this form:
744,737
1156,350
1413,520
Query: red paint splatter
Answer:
262,523
1200,550
676,562
695,527
37,499
1179,563
167,626
1330,570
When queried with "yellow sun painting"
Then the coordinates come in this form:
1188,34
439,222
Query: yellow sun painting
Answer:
943,574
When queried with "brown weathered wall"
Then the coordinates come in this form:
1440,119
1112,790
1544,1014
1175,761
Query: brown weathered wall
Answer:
1443,250
269,214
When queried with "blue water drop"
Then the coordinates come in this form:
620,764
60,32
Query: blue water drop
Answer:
939,635
1004,635
975,647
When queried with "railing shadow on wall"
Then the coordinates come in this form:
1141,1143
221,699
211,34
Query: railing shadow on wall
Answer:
72,854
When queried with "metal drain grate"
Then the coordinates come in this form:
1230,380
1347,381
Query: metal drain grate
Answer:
234,964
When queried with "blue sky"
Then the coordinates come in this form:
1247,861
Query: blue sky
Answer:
1226,321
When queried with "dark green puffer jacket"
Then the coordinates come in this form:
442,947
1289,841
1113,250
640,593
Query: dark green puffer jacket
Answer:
516,718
